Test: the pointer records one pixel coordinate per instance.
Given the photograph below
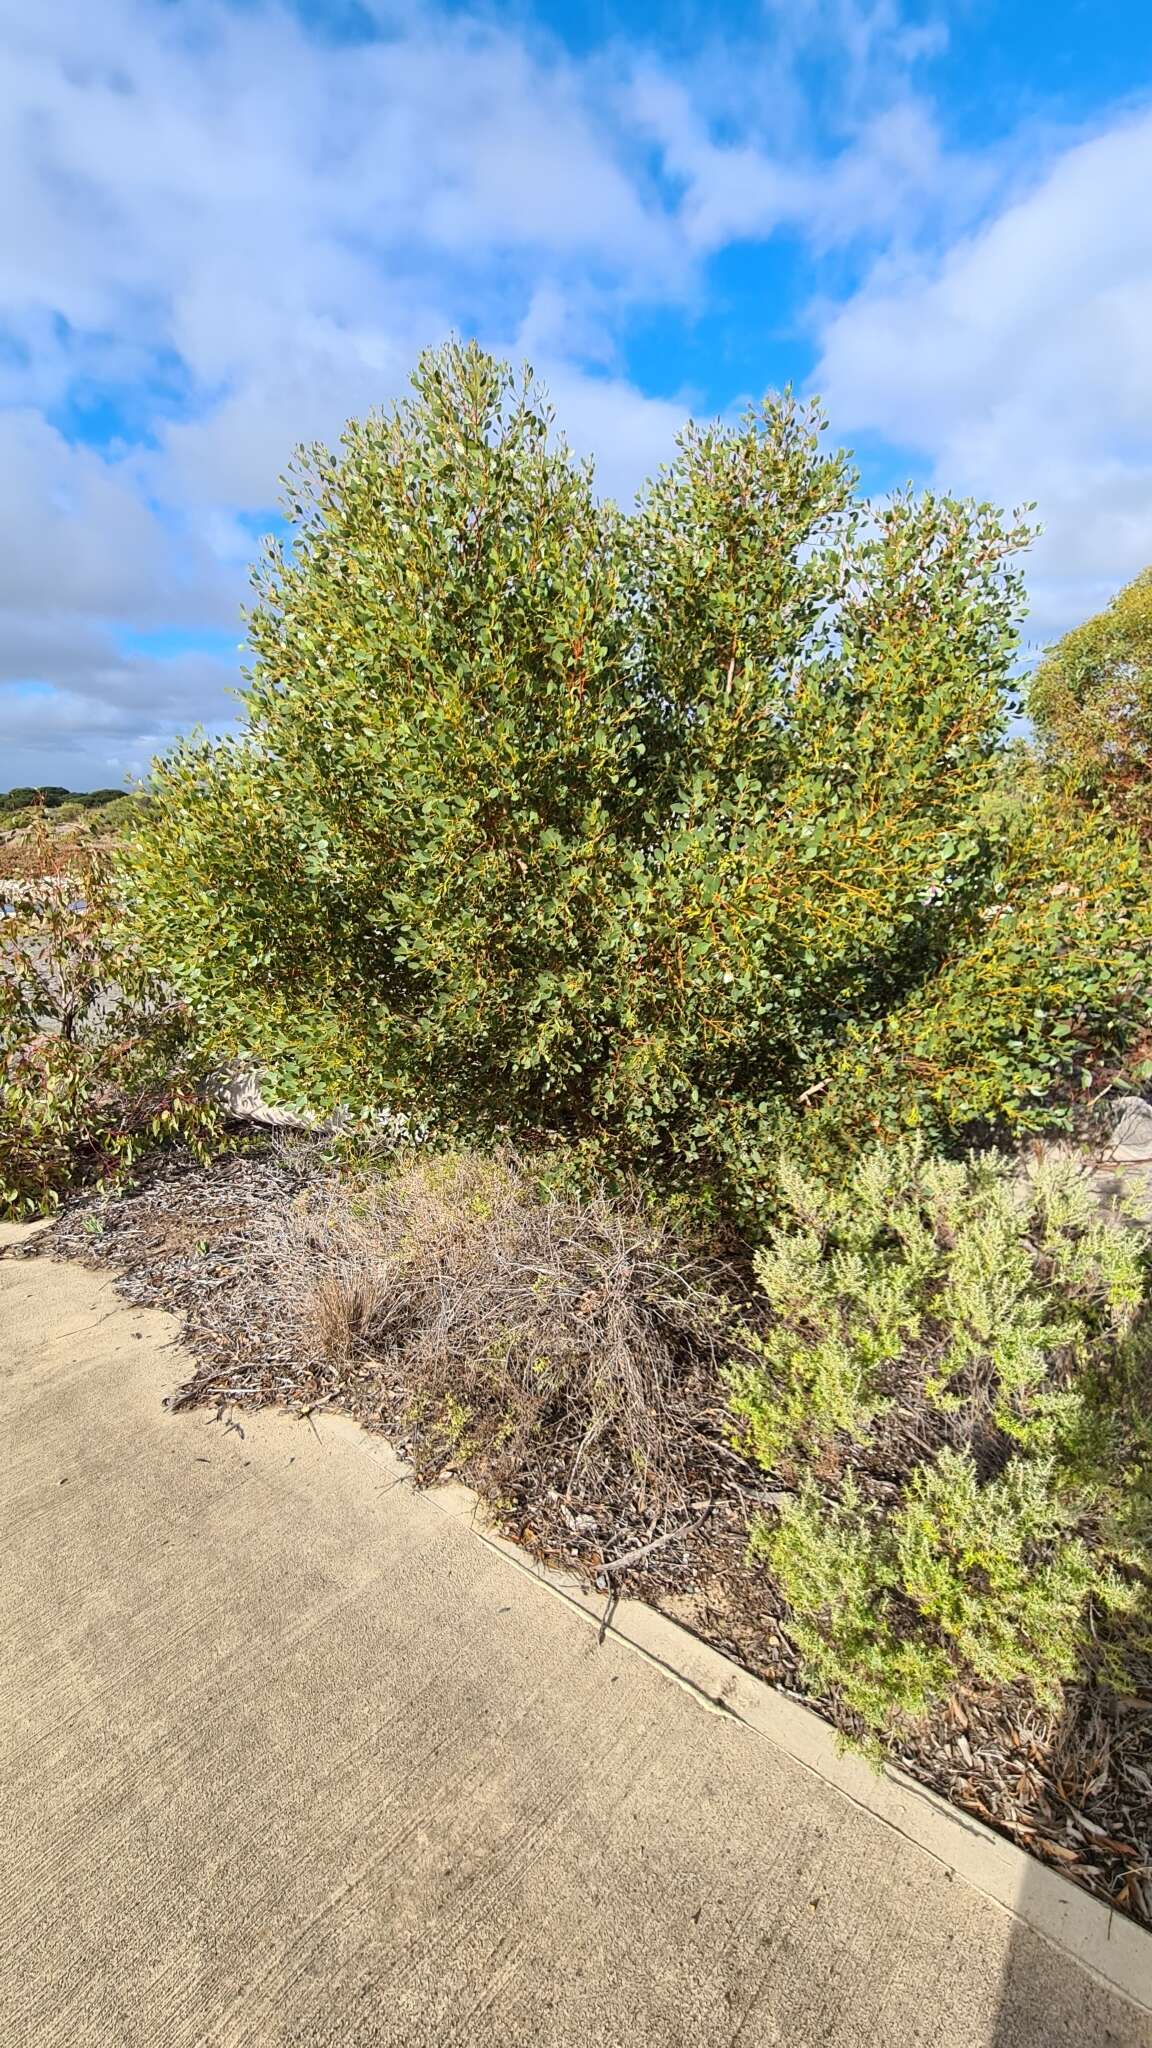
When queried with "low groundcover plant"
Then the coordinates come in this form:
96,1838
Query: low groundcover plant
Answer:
952,1387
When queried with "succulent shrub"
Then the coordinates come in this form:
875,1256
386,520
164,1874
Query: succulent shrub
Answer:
951,1386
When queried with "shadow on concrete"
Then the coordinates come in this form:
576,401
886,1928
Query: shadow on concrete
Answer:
1049,2000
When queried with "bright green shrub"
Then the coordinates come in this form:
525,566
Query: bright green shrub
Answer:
1091,703
1047,986
97,1064
952,1385
117,814
627,827
410,881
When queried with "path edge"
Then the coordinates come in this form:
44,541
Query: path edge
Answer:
1107,1945
1110,1948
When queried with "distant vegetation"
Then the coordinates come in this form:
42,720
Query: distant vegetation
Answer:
52,796
104,813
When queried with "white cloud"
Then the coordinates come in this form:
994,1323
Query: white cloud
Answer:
83,553
627,436
820,126
106,713
241,233
1019,365
225,231
235,187
78,535
888,174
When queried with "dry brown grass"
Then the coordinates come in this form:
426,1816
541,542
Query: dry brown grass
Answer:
343,1308
518,1321
42,851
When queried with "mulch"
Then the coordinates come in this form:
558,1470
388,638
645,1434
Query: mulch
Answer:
1073,1789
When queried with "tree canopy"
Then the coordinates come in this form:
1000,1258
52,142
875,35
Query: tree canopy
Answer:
644,825
1091,703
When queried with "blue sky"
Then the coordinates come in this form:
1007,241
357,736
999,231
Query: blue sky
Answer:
228,224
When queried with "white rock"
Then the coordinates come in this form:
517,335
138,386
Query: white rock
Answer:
239,1093
1132,1131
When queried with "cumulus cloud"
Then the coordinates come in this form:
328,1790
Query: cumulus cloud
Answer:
106,713
227,228
225,232
78,535
890,174
1018,365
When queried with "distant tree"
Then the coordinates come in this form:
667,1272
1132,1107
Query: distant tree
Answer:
1091,704
50,795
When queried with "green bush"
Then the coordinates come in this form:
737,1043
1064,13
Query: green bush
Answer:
117,814
951,1388
632,828
1091,703
98,1065
1029,1016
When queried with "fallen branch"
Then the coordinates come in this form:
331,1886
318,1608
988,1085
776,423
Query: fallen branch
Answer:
616,1564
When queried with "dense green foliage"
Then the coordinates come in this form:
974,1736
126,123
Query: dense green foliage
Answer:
1043,999
1091,703
673,834
120,814
952,1386
647,829
98,1066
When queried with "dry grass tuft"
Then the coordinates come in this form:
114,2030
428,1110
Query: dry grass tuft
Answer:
343,1308
516,1319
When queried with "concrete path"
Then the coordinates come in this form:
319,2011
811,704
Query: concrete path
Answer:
289,1756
